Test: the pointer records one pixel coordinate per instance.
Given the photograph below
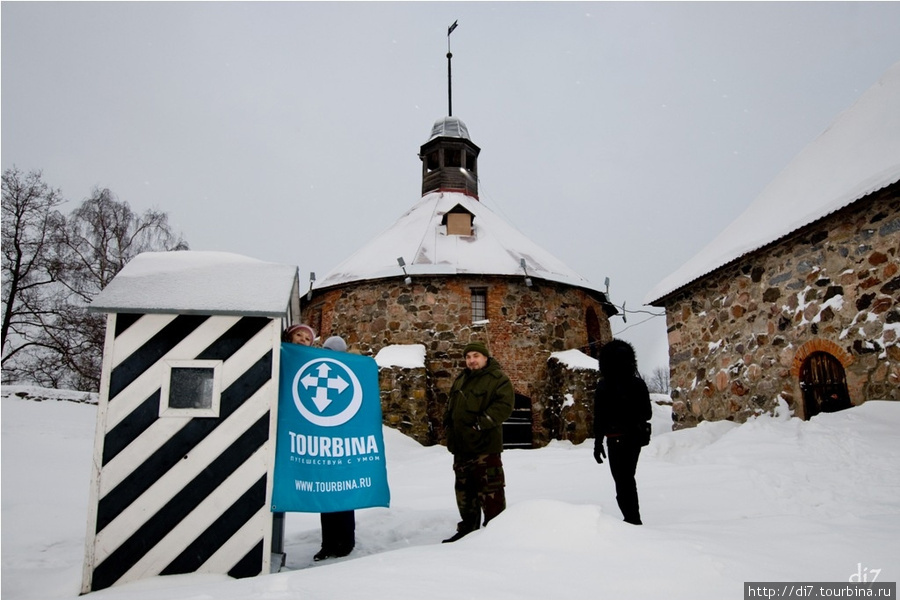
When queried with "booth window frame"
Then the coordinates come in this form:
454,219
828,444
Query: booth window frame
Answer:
176,381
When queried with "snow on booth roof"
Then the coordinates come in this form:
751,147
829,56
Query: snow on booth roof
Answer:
189,282
420,238
857,155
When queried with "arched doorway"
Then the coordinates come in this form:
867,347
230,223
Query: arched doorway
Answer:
824,384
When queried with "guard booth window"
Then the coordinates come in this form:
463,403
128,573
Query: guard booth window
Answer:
191,388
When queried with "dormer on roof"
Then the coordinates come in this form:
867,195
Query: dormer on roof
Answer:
458,221
450,159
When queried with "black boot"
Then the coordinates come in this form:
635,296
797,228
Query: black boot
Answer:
462,530
456,536
323,554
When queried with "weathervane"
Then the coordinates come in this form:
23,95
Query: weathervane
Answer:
449,78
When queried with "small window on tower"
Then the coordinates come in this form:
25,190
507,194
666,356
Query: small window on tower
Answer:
432,161
479,304
453,158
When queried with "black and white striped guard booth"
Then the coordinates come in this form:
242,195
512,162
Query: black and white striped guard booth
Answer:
184,450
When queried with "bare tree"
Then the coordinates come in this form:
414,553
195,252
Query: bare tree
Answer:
30,263
658,381
102,235
90,246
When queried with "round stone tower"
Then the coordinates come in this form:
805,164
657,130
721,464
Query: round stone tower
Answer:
450,271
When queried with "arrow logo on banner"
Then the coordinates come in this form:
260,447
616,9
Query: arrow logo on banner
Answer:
338,384
321,399
326,391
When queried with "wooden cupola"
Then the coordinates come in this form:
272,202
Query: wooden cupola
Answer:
450,159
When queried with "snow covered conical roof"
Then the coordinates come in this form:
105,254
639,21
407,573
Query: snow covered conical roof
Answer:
420,238
857,155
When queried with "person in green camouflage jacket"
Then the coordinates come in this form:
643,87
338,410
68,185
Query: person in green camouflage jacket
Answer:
481,398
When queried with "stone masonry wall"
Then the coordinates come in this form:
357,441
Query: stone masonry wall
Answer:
570,410
524,325
737,337
404,404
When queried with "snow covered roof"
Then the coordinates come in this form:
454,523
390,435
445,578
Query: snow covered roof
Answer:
188,282
495,248
576,360
857,155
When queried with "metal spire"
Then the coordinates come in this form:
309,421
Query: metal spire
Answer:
449,76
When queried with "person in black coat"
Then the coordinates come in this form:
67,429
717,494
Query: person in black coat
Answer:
621,414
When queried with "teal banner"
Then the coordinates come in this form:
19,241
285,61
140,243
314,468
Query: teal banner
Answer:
329,448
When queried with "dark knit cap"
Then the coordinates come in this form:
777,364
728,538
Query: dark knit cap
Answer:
476,347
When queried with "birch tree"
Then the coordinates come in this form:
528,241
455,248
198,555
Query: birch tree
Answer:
83,251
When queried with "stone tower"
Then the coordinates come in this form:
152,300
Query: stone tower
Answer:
450,271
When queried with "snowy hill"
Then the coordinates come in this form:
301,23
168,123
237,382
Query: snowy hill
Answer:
775,499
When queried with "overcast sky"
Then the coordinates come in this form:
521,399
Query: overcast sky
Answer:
621,137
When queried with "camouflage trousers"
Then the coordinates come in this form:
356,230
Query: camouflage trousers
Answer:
479,488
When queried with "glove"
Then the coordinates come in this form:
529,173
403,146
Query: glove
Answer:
599,453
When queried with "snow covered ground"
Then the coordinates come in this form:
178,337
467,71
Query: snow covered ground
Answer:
775,499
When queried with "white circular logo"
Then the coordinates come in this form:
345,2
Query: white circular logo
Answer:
326,392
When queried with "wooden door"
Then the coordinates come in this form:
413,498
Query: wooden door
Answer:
824,384
517,431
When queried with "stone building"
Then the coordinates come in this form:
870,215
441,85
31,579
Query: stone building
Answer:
798,300
450,271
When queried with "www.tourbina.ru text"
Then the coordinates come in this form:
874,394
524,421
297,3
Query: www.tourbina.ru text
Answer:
332,486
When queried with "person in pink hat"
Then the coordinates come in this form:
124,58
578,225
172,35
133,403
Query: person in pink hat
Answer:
301,334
